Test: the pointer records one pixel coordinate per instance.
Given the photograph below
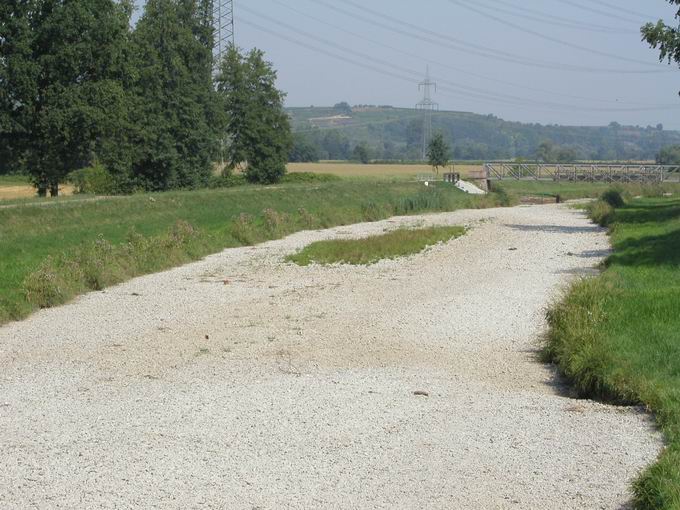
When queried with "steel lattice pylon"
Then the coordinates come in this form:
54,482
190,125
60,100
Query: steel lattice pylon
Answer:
428,106
223,20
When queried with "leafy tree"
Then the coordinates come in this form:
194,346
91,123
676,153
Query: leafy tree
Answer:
546,151
361,153
257,124
438,152
303,150
664,38
176,117
63,103
343,107
669,155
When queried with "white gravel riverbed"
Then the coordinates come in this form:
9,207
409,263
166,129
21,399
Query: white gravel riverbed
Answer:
243,382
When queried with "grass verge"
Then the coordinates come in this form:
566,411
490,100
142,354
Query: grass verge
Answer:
50,254
575,190
398,243
617,336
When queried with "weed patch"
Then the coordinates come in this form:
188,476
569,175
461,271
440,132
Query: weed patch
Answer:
372,249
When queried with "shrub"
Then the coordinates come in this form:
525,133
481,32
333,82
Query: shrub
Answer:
45,287
95,180
613,198
243,230
274,222
306,218
601,213
226,181
370,211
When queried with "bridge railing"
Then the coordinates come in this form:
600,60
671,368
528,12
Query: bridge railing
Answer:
581,172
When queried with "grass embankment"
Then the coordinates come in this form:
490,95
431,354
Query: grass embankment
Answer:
398,243
575,190
617,337
50,254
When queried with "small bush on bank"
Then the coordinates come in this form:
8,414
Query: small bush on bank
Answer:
95,180
601,212
614,198
227,181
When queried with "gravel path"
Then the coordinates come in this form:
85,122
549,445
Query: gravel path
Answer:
291,387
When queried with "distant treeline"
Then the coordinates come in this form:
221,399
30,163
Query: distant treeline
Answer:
396,134
80,87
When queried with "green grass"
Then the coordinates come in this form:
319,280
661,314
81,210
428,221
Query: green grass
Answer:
574,190
617,337
398,243
50,254
14,180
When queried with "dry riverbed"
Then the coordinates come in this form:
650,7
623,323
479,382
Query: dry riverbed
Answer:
242,381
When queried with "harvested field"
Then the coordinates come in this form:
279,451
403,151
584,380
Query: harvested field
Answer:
386,171
14,191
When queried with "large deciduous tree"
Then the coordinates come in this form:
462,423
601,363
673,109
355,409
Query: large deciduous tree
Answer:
665,38
63,65
257,127
175,115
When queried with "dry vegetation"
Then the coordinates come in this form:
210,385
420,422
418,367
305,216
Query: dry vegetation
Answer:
395,170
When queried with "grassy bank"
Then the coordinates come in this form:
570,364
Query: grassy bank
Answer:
617,337
575,190
398,243
50,254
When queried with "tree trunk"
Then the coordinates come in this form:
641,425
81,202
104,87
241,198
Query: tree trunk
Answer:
54,189
42,189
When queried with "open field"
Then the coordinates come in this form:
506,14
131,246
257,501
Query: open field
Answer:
410,383
18,187
74,233
618,336
391,171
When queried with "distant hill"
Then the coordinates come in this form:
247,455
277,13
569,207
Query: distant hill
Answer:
396,133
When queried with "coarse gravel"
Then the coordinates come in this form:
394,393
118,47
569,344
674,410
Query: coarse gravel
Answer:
243,381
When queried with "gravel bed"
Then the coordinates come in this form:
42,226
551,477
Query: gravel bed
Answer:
245,382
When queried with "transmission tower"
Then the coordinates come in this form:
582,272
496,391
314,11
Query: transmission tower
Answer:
223,20
427,106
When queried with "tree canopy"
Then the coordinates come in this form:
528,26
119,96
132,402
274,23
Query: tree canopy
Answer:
81,88
664,37
257,127
438,152
63,70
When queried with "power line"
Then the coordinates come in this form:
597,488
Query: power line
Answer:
609,14
474,92
447,65
544,18
455,44
619,8
551,38
455,88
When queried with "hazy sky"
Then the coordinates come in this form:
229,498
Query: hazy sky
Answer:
548,61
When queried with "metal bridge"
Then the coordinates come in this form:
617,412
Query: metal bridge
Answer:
582,172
